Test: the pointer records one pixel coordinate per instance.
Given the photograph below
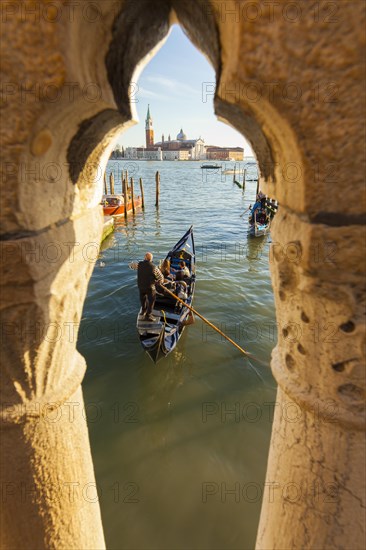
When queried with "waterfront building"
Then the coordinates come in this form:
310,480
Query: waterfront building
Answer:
176,154
131,153
180,148
149,153
224,153
187,149
143,153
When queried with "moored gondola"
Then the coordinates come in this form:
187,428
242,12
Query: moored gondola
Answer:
259,229
259,223
160,337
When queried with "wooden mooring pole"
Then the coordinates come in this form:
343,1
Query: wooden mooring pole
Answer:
257,187
234,177
142,194
105,184
125,197
244,176
132,197
111,183
157,179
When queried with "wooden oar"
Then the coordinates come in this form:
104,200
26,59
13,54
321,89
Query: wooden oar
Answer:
215,328
208,322
241,215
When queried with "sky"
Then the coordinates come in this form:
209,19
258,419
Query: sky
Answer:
178,83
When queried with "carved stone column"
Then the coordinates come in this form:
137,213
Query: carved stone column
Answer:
315,484
49,494
50,232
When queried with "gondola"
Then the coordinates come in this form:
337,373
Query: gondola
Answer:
160,337
261,227
258,229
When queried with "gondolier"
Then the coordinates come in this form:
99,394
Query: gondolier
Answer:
147,275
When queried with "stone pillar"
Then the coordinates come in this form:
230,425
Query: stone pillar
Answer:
309,151
49,494
59,119
315,485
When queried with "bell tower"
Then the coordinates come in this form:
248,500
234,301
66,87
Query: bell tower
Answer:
149,129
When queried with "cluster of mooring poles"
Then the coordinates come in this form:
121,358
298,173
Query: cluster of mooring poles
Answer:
128,190
271,204
237,182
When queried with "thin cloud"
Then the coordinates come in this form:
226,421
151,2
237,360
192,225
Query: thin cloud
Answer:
143,92
172,85
162,81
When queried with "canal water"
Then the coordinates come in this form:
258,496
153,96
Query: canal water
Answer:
180,448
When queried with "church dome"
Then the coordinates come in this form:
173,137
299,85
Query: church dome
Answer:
181,135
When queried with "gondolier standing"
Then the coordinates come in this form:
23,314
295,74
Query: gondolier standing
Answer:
147,275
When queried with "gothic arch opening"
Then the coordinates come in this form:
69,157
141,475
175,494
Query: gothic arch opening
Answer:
311,289
202,365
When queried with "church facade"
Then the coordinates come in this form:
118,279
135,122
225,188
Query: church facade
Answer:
180,148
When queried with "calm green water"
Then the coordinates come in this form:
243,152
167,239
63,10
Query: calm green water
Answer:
180,447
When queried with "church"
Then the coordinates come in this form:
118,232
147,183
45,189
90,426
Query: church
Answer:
180,148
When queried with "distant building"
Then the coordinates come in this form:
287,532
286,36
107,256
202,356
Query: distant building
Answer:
149,153
176,154
117,153
146,153
131,153
224,153
180,148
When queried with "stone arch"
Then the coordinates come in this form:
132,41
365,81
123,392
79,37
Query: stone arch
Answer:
102,47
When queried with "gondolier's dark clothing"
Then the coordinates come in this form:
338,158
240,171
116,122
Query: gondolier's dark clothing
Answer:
147,275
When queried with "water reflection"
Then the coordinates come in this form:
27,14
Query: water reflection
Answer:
257,249
109,242
157,223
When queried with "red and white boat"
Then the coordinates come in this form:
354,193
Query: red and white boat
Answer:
114,205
